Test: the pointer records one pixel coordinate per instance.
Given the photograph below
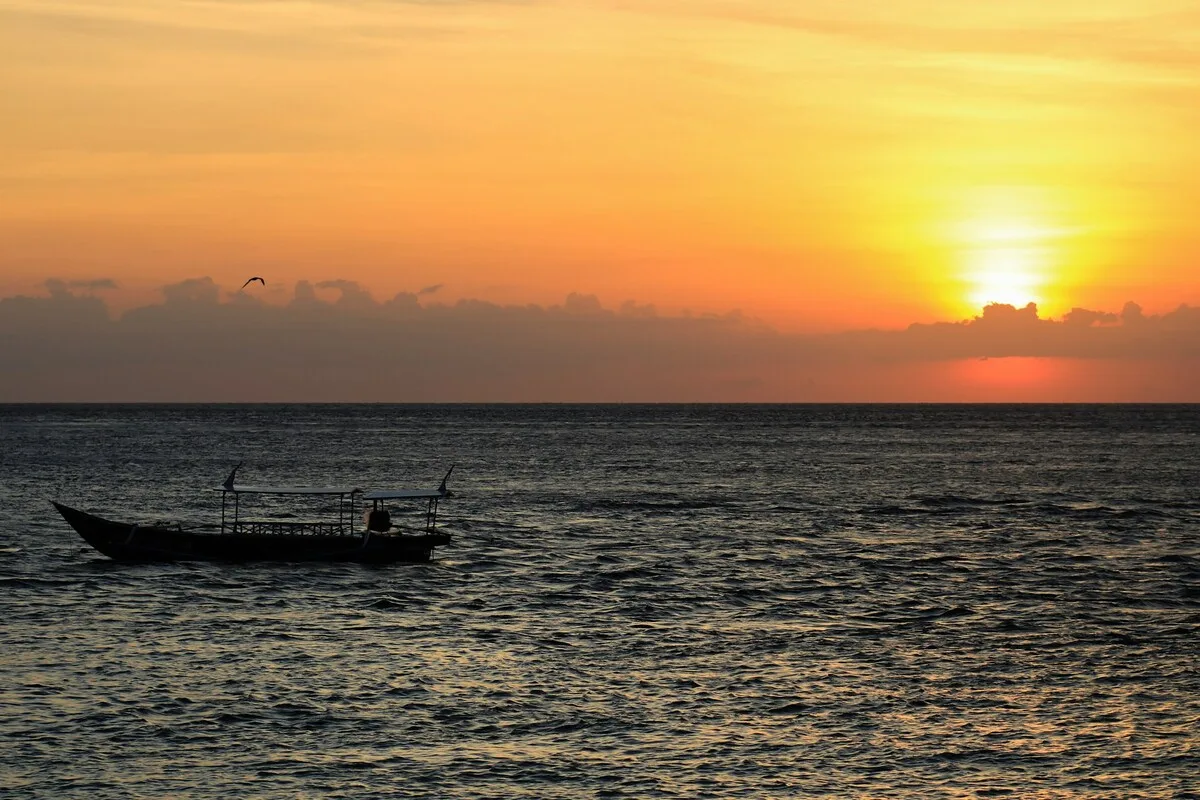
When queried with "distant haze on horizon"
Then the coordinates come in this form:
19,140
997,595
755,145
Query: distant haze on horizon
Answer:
599,200
334,342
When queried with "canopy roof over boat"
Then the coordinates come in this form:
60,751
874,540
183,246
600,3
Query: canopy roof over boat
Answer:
288,489
380,494
402,494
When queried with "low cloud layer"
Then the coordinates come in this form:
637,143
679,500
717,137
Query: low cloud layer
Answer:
1004,331
334,342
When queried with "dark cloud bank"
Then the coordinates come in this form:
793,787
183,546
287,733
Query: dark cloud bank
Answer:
203,345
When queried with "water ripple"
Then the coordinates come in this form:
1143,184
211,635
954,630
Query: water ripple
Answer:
641,602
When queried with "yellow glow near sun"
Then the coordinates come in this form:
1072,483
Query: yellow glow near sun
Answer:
1008,246
1012,272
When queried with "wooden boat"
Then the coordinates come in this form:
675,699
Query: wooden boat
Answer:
334,537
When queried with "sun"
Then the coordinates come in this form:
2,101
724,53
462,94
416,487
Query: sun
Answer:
1009,264
1008,244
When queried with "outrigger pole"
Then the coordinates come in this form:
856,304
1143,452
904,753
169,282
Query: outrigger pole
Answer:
228,487
442,486
228,484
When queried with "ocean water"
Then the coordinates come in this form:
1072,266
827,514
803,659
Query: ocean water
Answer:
640,602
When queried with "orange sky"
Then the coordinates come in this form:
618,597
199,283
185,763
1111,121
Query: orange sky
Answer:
817,164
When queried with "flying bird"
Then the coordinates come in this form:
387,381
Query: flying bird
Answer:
252,280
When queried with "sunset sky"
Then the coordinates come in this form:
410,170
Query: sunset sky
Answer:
818,167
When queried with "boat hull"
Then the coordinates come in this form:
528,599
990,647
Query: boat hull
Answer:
123,541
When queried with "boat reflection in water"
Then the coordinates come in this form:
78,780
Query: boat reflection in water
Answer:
335,536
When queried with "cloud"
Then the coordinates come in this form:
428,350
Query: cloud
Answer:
351,294
1085,317
192,291
583,304
248,27
195,347
1002,331
1146,39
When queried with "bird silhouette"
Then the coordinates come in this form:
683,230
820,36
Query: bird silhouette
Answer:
252,280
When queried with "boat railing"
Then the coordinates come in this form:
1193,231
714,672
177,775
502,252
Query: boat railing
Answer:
289,527
339,523
345,504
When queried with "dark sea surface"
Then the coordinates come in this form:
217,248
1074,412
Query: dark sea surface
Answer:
640,602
